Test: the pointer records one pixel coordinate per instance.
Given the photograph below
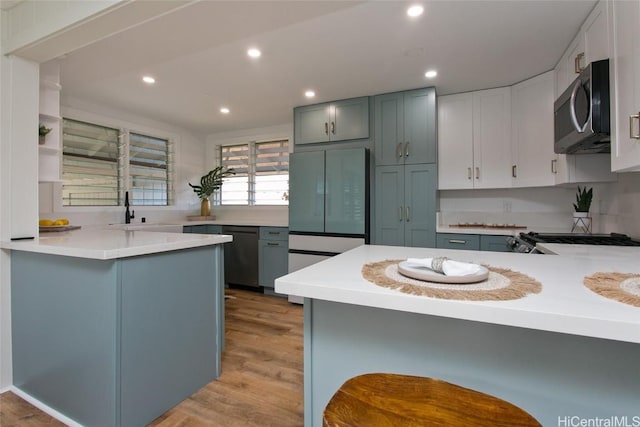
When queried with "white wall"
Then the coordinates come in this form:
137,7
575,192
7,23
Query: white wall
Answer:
268,213
189,161
615,207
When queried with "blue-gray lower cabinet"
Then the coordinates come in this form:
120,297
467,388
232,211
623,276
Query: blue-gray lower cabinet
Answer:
203,229
405,205
458,241
116,342
494,243
273,255
475,242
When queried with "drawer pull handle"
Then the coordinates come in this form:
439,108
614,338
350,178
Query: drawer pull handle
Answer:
407,216
275,233
477,172
406,149
333,128
326,128
554,167
400,214
458,242
633,135
514,171
273,244
399,150
468,173
576,63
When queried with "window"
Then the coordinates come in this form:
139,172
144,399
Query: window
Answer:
100,163
262,173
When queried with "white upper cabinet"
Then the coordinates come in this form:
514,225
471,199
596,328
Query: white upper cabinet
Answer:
474,133
591,44
624,18
532,132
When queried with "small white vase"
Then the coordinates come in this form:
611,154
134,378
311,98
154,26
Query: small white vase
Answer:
581,223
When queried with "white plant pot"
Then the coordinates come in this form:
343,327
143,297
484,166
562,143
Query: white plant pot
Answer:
581,222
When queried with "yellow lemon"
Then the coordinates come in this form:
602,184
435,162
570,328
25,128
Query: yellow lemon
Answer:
61,221
45,223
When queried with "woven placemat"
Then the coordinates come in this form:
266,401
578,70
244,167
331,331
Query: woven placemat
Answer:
622,287
501,285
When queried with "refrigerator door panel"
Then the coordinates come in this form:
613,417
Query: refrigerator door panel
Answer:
306,191
346,189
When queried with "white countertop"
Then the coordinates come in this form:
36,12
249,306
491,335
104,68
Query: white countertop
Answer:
258,222
103,243
565,305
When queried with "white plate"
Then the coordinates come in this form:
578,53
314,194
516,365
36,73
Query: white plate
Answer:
423,273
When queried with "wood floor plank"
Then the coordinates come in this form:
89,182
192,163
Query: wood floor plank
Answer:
262,373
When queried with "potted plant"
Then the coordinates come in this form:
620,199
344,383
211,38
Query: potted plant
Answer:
208,184
42,132
581,218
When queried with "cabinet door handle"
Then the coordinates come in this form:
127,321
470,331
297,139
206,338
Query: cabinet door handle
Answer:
273,244
326,128
399,150
400,214
514,171
408,216
457,242
333,128
576,63
477,172
406,149
554,167
468,173
633,135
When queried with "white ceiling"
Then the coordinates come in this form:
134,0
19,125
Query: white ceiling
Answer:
340,49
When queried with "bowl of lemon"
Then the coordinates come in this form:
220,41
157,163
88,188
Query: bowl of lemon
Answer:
60,224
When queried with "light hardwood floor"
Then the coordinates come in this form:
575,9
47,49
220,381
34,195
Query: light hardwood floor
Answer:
262,376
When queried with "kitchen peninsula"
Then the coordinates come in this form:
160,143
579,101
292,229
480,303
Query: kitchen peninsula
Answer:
565,351
114,327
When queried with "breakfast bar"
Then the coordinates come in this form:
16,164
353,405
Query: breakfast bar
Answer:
114,327
558,352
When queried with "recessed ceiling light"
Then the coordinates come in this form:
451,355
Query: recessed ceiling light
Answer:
431,74
415,10
309,94
254,53
224,110
148,79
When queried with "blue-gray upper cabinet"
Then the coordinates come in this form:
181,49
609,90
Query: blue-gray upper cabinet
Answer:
406,205
405,127
332,121
328,191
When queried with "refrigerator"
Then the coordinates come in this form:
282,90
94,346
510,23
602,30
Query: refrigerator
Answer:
328,205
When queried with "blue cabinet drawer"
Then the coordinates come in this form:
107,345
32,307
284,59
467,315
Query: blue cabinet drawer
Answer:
274,233
458,241
202,229
274,261
494,243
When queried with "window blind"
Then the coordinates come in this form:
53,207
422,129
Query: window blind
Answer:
90,164
235,189
272,172
149,170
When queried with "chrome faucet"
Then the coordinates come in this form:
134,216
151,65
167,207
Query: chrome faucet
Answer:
128,216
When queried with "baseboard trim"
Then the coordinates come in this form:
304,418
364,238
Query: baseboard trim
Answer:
44,408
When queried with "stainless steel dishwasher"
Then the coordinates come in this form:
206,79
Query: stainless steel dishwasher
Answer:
241,256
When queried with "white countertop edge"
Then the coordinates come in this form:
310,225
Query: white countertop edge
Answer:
472,311
76,243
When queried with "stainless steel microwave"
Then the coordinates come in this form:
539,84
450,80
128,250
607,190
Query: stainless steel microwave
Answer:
581,113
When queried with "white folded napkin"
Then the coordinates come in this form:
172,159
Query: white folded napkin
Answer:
448,267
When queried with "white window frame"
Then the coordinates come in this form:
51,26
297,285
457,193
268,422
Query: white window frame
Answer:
124,127
251,188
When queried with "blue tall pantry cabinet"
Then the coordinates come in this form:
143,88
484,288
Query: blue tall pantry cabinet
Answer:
405,168
328,191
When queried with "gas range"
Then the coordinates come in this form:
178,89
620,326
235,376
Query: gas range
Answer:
526,242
